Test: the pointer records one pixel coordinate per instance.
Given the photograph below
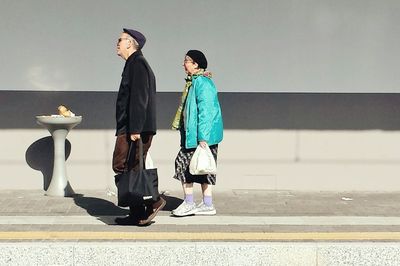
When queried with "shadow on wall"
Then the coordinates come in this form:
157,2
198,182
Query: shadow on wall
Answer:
40,156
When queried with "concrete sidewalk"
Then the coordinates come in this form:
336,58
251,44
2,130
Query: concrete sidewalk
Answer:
252,227
248,211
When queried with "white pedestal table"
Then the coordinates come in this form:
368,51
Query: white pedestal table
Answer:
59,126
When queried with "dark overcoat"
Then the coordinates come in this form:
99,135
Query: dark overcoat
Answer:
136,102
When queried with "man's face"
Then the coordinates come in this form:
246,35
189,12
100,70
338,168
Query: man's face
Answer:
123,43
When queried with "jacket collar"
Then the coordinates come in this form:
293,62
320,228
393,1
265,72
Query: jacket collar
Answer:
134,55
132,58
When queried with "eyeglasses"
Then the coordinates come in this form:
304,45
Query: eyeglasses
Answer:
120,39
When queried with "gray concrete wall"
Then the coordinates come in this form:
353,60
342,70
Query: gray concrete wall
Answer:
292,111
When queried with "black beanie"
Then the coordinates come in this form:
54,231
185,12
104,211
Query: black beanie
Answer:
198,57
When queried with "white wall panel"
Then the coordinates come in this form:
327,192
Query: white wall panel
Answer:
294,160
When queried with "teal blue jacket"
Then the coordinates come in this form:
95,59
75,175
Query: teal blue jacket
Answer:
203,117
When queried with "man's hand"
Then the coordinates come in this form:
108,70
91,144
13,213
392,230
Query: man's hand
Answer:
135,137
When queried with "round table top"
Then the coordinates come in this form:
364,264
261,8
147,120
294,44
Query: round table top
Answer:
58,119
55,122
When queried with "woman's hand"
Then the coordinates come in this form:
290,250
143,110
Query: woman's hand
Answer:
202,144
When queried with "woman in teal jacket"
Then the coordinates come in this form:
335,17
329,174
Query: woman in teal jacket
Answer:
199,121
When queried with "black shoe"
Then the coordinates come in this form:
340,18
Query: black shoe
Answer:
128,220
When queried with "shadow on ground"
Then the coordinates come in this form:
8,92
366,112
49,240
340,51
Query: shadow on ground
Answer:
172,202
104,210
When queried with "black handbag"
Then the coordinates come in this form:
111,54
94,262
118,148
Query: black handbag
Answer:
137,185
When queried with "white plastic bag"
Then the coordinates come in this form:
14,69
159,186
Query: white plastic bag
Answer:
202,162
149,164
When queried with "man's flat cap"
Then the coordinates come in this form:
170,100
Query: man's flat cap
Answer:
139,37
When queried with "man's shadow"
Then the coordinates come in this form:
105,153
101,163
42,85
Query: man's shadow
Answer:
102,209
106,211
40,156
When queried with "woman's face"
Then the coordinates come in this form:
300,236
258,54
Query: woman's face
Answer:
190,66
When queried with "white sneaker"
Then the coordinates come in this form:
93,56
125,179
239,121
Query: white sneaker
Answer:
185,209
203,209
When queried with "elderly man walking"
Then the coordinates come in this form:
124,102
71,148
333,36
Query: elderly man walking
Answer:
136,119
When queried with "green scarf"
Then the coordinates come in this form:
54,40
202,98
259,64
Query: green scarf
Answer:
176,124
